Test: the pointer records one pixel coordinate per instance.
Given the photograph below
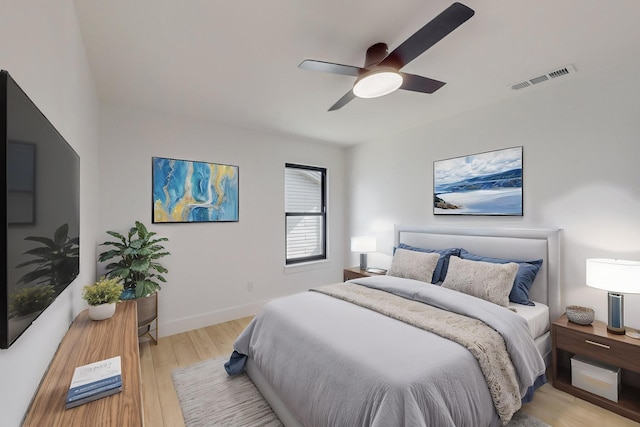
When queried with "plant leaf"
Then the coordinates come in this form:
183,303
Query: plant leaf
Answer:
159,268
33,261
142,230
61,234
145,287
140,265
40,250
116,244
108,255
50,243
162,239
33,276
160,255
117,236
121,272
130,251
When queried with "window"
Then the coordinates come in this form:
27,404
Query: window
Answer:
305,213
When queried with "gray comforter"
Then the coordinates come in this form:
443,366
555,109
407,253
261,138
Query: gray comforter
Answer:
334,363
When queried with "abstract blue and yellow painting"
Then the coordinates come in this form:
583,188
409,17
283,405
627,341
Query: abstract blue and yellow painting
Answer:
188,191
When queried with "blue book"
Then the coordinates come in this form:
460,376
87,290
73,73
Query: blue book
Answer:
94,388
94,381
93,397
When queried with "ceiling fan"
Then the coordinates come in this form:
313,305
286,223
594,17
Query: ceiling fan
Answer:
381,72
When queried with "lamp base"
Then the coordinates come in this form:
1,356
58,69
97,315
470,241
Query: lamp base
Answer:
615,323
363,261
614,330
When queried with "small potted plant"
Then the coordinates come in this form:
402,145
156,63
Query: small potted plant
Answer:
102,297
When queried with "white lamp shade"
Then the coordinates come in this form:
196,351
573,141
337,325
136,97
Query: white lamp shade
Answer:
363,244
377,83
614,275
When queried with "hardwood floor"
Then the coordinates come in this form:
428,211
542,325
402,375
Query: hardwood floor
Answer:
161,407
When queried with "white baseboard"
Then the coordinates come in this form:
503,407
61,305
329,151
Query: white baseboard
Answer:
212,318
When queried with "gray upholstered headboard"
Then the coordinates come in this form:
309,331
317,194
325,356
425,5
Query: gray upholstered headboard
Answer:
512,243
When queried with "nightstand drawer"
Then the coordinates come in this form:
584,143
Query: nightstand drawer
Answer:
606,350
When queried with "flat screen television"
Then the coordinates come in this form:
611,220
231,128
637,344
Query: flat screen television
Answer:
40,213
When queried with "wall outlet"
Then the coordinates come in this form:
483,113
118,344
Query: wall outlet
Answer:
249,286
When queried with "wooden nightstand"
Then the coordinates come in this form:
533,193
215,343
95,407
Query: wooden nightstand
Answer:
593,341
356,272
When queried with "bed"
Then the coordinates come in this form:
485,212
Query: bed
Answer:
374,351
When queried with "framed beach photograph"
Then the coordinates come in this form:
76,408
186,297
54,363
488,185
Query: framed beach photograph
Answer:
479,184
191,191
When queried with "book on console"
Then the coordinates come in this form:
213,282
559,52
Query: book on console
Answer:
95,381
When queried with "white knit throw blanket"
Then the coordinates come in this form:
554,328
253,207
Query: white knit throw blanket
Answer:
486,345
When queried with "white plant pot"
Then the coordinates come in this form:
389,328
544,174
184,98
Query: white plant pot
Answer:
102,311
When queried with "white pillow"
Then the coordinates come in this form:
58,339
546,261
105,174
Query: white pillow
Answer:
486,280
413,265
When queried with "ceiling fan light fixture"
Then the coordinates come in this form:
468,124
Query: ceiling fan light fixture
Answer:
377,83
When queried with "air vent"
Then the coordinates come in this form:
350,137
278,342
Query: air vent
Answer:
520,85
560,72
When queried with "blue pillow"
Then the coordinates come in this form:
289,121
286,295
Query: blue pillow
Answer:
443,263
527,271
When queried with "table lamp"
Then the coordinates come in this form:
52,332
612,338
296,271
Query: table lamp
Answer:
363,245
618,277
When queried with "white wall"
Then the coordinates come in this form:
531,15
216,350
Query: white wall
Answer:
42,49
581,174
212,263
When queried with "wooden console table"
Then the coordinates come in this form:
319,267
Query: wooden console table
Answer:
89,341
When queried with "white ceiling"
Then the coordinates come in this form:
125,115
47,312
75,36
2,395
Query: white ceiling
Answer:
236,62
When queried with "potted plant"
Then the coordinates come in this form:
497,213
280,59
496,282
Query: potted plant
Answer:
102,297
135,259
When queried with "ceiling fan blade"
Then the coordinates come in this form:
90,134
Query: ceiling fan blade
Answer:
435,30
420,84
330,67
343,101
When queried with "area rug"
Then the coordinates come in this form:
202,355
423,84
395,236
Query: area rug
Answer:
209,397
